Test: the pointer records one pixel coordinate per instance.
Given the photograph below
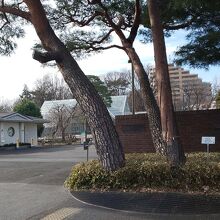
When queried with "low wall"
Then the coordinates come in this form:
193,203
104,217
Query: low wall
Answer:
135,135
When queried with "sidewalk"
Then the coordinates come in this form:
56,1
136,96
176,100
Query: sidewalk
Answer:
153,203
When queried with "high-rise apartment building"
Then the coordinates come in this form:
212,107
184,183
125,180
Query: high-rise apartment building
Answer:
188,90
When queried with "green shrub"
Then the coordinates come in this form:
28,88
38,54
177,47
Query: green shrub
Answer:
150,172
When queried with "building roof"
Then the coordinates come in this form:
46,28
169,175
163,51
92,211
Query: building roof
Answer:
17,117
48,105
119,105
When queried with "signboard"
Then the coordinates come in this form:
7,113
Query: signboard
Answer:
208,140
133,128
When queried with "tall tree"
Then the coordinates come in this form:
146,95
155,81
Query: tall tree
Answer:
203,47
27,107
200,19
26,93
164,94
108,146
109,17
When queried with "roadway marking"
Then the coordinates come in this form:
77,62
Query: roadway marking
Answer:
62,214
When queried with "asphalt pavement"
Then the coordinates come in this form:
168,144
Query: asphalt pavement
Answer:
31,185
31,188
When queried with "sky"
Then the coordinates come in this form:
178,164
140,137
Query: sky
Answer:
20,69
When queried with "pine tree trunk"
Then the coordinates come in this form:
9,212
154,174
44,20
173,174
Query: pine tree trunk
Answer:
107,142
108,146
150,103
168,121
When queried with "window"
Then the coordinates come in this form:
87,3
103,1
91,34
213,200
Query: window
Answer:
11,132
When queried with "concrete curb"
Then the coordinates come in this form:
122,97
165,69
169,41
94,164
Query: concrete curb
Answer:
163,204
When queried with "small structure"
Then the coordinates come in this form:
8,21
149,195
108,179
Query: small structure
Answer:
17,128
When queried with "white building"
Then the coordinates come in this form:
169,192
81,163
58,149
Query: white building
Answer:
17,128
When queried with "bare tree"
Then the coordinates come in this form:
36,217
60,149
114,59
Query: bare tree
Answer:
188,92
215,86
50,88
5,106
61,117
215,93
196,95
117,82
120,83
202,96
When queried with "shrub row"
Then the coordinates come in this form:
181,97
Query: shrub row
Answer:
150,172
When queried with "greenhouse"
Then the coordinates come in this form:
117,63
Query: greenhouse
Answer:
52,111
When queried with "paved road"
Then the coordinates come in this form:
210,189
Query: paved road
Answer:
31,187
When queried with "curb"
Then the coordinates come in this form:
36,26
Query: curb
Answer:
163,204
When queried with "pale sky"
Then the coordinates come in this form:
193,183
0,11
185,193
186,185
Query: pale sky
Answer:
20,68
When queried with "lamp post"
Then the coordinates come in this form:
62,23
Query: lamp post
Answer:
132,85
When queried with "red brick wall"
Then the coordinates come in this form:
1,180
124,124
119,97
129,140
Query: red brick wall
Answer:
135,135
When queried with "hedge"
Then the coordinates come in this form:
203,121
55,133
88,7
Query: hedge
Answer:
144,172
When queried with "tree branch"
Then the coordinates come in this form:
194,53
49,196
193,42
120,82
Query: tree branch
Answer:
112,24
104,38
108,47
93,2
91,47
84,23
179,26
15,11
6,18
136,23
1,28
195,17
44,57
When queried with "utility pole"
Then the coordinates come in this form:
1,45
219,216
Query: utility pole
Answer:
132,85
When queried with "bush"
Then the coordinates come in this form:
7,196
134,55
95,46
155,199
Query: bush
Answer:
150,172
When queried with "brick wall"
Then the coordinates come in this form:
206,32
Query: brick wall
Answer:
135,134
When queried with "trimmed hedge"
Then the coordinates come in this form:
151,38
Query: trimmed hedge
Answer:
144,172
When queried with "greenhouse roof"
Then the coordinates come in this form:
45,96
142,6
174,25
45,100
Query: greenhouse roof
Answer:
119,105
